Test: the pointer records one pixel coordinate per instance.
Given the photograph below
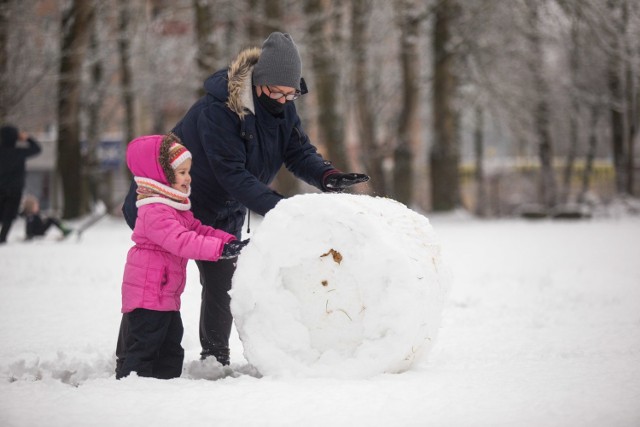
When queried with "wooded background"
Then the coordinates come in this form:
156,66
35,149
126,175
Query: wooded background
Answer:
486,105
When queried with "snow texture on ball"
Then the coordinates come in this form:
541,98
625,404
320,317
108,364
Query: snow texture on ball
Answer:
339,285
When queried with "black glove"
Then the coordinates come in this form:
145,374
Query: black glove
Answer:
338,181
233,248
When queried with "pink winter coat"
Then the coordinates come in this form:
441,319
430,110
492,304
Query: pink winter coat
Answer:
165,239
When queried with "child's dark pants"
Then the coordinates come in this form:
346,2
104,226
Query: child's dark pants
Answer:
149,344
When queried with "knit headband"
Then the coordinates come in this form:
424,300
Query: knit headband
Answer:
178,154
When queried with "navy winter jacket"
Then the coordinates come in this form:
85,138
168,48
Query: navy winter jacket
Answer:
238,148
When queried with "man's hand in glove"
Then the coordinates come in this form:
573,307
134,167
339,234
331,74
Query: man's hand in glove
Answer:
337,181
233,248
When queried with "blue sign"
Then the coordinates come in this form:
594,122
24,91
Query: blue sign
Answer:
110,154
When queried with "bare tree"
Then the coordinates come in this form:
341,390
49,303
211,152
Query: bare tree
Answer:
591,154
255,31
91,164
444,154
608,34
101,70
542,110
485,68
76,29
4,34
29,58
208,52
617,115
327,79
478,144
126,74
263,18
631,12
510,65
574,70
623,72
408,135
274,14
372,151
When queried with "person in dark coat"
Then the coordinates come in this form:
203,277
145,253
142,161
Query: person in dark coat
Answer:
240,133
15,148
36,224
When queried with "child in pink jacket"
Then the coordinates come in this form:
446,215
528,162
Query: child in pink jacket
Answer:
166,236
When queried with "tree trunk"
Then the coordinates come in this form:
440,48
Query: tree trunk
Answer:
444,155
126,74
617,128
572,153
4,55
255,32
408,127
591,154
542,114
617,110
207,53
94,179
478,140
327,80
632,94
635,125
274,13
76,26
372,152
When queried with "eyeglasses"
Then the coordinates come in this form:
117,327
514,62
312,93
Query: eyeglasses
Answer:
274,94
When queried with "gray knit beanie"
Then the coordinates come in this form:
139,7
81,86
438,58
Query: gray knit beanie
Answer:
279,63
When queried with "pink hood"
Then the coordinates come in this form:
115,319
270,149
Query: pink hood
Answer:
142,158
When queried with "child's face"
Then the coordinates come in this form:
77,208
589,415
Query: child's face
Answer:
183,179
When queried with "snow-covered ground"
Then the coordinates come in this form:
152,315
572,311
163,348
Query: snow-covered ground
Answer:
542,328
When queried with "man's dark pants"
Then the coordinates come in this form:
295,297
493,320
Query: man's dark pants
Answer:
215,311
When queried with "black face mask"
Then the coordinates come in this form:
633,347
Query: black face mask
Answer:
274,107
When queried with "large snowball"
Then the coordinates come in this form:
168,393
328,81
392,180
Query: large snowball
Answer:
339,285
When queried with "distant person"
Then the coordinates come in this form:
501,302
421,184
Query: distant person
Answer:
166,235
15,148
36,224
241,132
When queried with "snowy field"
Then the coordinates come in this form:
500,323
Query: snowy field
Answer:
542,328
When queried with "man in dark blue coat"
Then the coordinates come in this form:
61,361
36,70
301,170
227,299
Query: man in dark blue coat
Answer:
240,134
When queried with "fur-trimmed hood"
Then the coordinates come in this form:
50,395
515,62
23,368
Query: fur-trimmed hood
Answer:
238,93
